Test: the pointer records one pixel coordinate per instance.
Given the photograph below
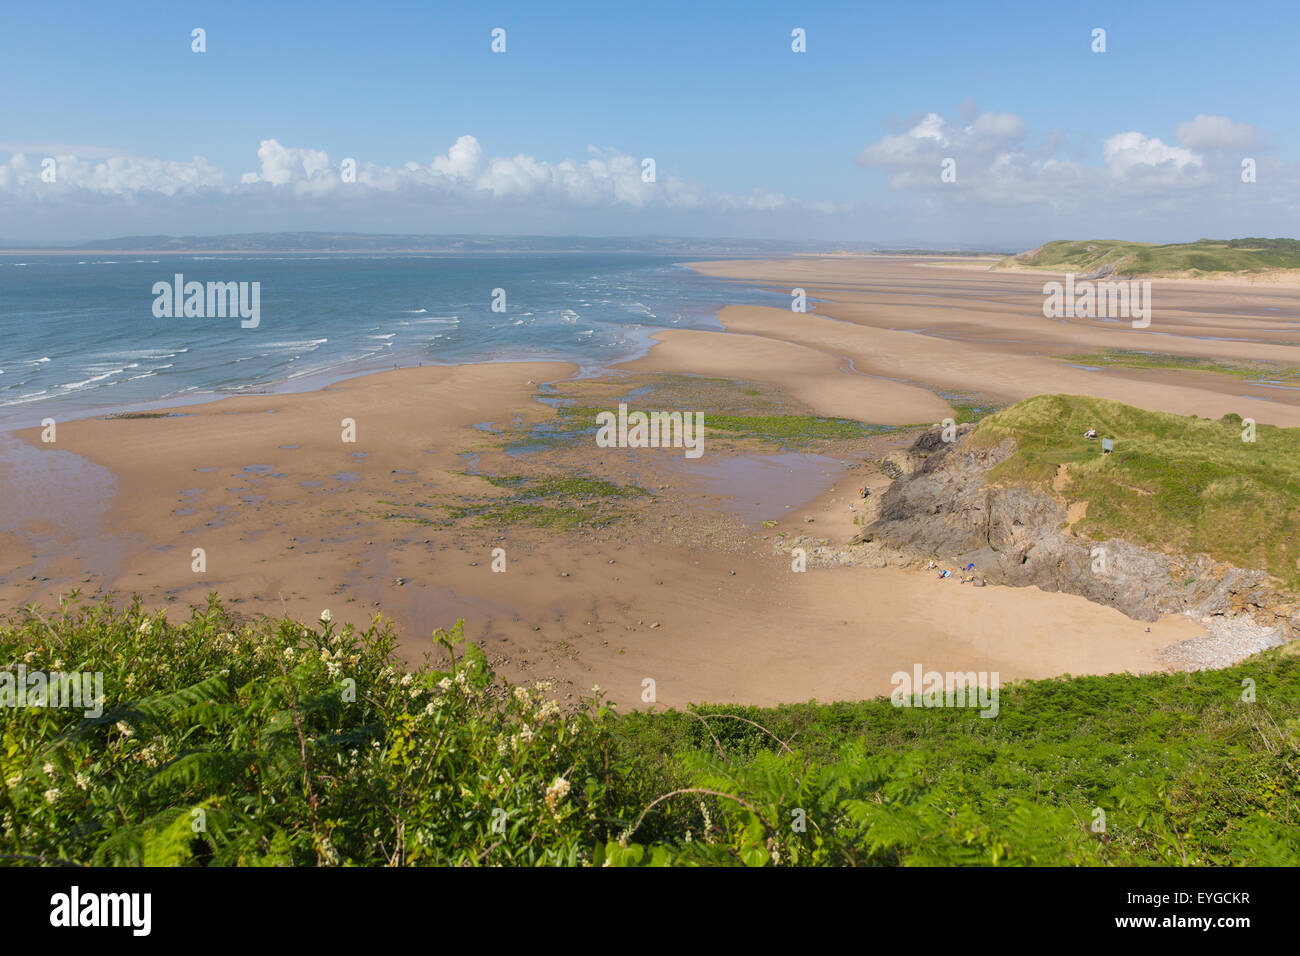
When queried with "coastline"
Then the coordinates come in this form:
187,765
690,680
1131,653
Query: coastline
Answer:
685,584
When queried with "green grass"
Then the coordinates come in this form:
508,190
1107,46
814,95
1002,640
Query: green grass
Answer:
1126,358
970,413
783,430
791,430
558,517
562,502
568,486
1177,484
1134,259
303,744
1183,769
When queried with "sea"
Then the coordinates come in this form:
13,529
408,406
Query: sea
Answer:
80,334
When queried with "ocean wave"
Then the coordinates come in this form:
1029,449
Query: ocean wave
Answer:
309,344
145,354
29,397
437,320
73,386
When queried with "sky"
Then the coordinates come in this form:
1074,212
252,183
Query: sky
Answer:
936,124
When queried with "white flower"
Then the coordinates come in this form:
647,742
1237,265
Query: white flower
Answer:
145,626
326,616
406,678
48,769
288,653
521,695
444,684
51,795
126,729
557,792
83,781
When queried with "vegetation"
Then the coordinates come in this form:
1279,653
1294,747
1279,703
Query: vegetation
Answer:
1127,358
1181,484
1134,259
549,501
970,413
791,430
227,741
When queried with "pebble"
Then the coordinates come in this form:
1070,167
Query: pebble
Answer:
1229,640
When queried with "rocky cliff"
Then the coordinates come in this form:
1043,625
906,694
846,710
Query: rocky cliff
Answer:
942,506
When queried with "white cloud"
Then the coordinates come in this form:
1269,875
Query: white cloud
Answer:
282,165
996,165
1134,157
112,175
607,179
1218,132
465,175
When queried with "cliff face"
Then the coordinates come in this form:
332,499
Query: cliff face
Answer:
942,506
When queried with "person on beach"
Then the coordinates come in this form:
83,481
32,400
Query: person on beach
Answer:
865,491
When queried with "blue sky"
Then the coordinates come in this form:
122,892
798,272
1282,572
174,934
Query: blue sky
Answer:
748,137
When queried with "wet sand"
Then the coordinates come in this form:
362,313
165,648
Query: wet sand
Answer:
684,587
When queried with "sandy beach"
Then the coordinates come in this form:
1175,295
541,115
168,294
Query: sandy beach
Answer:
683,584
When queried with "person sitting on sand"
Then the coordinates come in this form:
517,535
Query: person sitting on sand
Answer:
865,491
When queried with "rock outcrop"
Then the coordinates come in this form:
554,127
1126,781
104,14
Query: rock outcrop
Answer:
942,506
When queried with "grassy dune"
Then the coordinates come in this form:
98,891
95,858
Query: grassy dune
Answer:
1139,259
1173,483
